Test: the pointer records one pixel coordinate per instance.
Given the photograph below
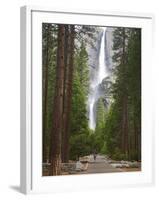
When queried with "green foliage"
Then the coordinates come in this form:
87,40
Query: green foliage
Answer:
79,121
81,68
100,122
127,85
112,129
118,155
79,131
100,116
79,146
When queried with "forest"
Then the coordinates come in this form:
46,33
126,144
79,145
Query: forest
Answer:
91,94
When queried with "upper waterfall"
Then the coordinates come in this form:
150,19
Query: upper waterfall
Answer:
102,73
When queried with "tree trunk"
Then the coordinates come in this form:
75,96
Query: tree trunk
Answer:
66,54
68,94
55,151
125,127
45,93
125,144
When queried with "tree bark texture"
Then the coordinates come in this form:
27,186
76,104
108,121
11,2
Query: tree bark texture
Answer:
45,92
68,94
125,145
56,135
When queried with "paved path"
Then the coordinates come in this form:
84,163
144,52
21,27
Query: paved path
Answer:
100,165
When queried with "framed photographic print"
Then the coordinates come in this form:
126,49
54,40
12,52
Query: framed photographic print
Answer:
86,102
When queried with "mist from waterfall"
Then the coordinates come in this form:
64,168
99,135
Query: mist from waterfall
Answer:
100,74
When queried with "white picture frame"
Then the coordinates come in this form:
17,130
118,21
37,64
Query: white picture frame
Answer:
31,106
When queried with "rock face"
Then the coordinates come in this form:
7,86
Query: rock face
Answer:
93,55
109,48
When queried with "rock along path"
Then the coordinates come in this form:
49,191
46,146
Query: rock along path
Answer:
100,165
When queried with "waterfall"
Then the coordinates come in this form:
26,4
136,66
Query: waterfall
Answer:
100,74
